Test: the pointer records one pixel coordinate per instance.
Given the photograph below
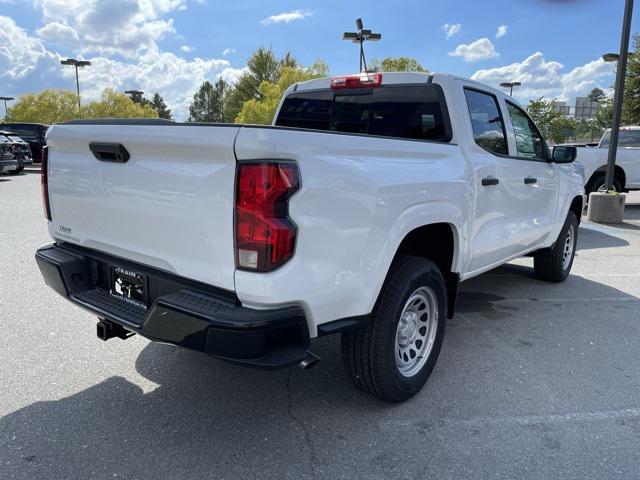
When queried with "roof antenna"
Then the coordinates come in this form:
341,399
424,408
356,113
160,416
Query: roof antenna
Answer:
360,37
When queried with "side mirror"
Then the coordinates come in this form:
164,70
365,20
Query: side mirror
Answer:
564,154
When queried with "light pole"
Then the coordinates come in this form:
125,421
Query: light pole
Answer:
5,104
76,63
510,86
618,93
360,37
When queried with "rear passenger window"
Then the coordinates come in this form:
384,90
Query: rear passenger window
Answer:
401,112
407,112
309,110
486,121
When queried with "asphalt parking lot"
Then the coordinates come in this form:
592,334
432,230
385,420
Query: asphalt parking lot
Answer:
535,380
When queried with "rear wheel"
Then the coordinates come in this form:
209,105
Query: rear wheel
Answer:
392,357
554,264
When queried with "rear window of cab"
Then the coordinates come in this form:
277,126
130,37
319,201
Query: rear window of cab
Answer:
409,112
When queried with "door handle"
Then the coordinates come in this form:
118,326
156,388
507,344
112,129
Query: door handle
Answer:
487,181
109,152
530,180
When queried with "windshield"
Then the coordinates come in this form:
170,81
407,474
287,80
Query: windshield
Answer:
626,138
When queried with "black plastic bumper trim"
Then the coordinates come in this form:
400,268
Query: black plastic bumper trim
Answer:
205,320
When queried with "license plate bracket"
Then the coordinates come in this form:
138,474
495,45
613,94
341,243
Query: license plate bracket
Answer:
129,285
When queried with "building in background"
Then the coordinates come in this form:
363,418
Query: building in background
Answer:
585,109
561,107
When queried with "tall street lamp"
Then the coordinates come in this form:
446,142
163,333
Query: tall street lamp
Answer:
5,104
360,37
611,57
618,92
510,86
76,63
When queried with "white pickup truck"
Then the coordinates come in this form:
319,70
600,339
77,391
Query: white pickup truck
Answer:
627,172
359,211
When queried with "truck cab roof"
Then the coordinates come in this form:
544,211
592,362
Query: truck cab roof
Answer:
399,78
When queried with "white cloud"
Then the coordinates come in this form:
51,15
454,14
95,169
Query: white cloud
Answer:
27,65
228,51
542,78
59,34
481,49
451,29
107,27
502,31
286,17
186,48
21,56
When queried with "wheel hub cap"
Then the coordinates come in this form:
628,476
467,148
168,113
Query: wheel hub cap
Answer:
416,331
569,244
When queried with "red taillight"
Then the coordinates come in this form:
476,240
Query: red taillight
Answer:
265,237
44,182
357,81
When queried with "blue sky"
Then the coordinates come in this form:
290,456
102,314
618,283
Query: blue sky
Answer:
171,46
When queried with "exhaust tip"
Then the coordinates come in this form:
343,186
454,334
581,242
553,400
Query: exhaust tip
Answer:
309,361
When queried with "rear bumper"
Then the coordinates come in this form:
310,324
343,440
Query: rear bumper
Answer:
180,311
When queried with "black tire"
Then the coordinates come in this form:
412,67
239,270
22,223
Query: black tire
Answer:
369,354
597,180
549,263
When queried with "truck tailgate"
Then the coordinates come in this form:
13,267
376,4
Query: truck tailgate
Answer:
169,206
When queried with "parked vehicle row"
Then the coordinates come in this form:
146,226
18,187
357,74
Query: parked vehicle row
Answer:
358,212
19,149
32,133
8,163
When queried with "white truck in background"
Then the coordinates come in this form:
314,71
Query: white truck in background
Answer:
358,212
627,172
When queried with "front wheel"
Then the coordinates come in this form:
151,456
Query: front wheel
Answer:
597,182
554,264
392,357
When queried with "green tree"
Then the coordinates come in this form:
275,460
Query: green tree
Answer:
398,64
48,106
631,99
597,95
604,115
262,66
261,110
160,106
117,105
208,102
553,125
588,129
139,99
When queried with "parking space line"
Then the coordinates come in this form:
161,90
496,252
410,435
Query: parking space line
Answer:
571,417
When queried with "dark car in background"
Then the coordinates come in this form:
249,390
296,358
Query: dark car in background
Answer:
8,163
32,133
21,150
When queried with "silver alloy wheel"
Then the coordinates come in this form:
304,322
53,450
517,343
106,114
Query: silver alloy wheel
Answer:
416,331
569,246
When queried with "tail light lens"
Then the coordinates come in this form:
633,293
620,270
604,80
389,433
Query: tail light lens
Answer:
265,236
44,182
